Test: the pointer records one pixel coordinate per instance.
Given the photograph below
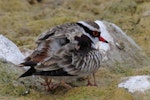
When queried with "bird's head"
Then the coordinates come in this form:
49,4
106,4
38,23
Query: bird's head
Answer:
92,31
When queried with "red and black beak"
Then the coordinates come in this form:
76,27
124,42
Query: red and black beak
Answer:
102,39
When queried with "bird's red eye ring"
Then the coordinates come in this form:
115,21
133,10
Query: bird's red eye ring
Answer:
95,33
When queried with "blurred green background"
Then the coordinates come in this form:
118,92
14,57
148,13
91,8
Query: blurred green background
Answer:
23,20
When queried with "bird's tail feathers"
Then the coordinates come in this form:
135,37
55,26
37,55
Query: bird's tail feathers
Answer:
28,63
29,72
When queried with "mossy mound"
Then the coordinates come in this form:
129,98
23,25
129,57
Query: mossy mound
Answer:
8,80
30,88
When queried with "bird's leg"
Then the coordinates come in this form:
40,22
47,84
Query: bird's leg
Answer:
48,84
95,84
63,83
89,82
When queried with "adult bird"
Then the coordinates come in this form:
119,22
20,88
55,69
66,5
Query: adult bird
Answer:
66,50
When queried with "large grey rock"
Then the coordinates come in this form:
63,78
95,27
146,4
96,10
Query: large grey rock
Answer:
121,48
9,51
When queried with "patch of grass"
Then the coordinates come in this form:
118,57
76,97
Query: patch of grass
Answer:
107,86
8,83
12,87
85,93
11,90
142,71
121,70
14,5
120,94
125,7
94,93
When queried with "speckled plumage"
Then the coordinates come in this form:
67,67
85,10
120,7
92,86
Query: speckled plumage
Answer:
66,50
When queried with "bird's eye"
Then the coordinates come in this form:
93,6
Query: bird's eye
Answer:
95,33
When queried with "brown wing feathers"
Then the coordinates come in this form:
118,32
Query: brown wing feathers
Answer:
60,52
37,56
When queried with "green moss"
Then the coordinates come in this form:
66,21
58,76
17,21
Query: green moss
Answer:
8,83
95,93
85,93
11,90
120,94
14,5
125,7
12,87
142,71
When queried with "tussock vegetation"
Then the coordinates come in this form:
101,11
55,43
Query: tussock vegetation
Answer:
107,89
